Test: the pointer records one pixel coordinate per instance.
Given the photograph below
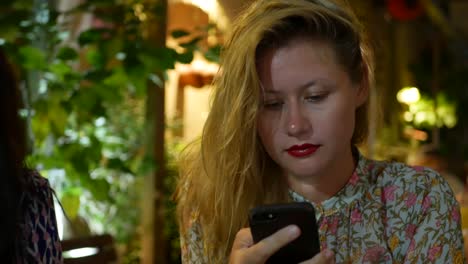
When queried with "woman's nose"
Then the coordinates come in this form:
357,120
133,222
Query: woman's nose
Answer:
298,121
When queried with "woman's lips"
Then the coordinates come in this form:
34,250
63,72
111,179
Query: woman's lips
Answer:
304,150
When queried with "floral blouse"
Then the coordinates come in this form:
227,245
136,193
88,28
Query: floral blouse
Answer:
388,212
39,241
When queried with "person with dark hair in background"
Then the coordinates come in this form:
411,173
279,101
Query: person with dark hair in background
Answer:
28,220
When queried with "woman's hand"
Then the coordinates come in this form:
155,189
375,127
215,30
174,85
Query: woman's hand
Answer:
326,256
244,251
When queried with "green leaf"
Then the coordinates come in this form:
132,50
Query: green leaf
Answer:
112,46
179,33
147,166
9,23
71,202
137,76
109,94
23,4
192,44
158,59
61,71
118,164
41,127
80,164
8,33
117,78
99,188
96,58
94,151
98,108
87,104
213,53
32,58
58,120
93,35
67,53
97,75
186,57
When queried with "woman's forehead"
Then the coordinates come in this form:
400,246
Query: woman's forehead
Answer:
322,50
298,58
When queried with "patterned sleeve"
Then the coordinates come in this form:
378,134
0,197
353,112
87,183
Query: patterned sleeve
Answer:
40,225
191,242
437,235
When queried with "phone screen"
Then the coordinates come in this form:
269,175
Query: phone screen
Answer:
267,219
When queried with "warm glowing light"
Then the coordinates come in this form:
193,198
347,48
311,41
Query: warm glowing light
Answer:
408,95
209,6
408,116
416,134
450,121
422,117
80,252
213,9
140,12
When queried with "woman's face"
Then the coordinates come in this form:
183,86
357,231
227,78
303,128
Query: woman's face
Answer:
306,120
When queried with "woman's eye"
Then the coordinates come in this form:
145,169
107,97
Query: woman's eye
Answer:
316,98
272,104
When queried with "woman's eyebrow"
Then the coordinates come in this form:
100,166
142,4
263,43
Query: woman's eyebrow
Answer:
300,87
308,84
271,92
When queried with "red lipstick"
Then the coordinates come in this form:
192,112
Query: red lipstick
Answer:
304,150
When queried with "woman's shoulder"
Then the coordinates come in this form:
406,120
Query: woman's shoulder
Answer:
37,194
36,179
191,240
404,178
39,234
410,193
37,188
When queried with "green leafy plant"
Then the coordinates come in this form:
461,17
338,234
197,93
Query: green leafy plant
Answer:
84,101
423,114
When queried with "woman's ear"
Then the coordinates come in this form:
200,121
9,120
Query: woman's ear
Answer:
363,89
362,95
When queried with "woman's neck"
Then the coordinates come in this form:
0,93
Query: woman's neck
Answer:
319,188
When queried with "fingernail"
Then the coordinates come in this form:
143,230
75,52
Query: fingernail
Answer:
293,231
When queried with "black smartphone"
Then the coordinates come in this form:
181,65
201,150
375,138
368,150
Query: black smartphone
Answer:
267,219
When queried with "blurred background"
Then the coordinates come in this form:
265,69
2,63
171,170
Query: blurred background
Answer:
114,89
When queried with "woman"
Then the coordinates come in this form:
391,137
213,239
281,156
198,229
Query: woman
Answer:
28,217
289,108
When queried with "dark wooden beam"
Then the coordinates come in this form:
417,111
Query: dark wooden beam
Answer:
154,29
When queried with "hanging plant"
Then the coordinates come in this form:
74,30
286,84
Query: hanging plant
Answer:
85,100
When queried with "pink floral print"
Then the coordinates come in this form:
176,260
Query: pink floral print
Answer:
387,213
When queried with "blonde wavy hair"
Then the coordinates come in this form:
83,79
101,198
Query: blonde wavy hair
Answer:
227,172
